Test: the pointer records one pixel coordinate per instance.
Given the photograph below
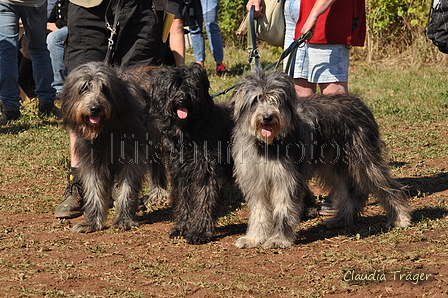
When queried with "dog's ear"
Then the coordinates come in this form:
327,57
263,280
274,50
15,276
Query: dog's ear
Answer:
159,82
201,74
200,78
240,100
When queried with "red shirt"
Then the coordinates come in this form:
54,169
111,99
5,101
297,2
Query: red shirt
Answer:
344,22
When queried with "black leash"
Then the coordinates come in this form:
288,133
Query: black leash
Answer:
113,30
252,42
253,51
291,49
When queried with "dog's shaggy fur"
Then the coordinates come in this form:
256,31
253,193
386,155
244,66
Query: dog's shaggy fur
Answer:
105,108
279,142
196,134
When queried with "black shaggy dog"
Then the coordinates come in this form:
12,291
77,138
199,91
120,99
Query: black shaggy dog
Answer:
196,135
105,109
280,142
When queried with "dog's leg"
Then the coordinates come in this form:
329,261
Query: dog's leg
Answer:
97,194
158,193
201,222
179,198
388,192
287,199
393,199
349,202
260,219
375,179
130,184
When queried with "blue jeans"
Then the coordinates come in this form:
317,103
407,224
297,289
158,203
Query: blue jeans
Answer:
210,18
55,42
34,20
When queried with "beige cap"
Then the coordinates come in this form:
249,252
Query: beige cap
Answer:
87,3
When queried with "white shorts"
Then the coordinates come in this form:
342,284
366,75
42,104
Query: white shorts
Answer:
322,63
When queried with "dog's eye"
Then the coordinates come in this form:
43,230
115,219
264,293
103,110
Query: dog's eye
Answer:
256,99
84,88
272,100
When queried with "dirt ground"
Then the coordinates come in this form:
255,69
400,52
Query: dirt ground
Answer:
41,257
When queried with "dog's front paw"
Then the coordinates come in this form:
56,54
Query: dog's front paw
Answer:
402,221
125,225
86,227
198,238
335,222
175,233
247,242
277,242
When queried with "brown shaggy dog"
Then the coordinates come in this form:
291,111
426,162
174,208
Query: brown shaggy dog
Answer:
105,108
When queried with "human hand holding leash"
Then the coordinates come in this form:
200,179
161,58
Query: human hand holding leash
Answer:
257,5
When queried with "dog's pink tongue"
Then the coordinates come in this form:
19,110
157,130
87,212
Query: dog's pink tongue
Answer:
94,119
182,113
266,131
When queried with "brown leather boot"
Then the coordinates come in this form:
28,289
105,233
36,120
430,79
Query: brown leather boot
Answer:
72,203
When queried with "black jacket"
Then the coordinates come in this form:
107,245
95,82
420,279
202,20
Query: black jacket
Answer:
59,14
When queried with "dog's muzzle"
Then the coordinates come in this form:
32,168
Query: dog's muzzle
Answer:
95,114
182,112
266,126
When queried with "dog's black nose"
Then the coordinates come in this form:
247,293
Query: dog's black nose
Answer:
95,109
267,118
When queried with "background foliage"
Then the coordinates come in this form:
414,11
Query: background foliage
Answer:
395,29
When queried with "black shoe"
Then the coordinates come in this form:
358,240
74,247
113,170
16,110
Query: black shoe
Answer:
9,115
46,109
71,206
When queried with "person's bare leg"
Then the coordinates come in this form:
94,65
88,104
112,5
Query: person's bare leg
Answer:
334,88
201,63
73,157
304,88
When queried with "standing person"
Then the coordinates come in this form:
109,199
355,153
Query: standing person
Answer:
323,61
337,26
57,28
33,14
206,11
138,32
291,13
137,41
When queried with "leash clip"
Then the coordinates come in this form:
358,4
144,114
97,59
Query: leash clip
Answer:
253,54
110,40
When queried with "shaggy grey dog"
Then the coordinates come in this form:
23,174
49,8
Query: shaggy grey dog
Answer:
105,108
280,142
196,136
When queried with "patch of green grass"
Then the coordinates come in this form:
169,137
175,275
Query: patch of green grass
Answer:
411,106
